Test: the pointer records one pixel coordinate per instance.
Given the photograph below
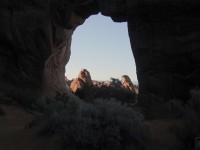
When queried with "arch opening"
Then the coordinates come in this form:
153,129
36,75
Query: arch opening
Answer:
102,47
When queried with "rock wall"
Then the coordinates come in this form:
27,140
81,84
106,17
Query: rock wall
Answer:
165,41
25,44
165,37
54,71
35,38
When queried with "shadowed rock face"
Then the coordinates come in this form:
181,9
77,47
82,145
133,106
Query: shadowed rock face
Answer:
25,44
165,40
54,71
164,36
35,38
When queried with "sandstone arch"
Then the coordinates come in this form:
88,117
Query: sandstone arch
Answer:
164,36
54,71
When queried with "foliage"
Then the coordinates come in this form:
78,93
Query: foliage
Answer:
189,128
115,83
107,92
156,108
24,98
44,104
100,125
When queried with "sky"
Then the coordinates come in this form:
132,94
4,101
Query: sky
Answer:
103,48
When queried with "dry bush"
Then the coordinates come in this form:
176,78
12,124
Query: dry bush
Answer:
105,92
154,107
100,125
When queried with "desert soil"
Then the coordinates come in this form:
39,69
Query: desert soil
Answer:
14,135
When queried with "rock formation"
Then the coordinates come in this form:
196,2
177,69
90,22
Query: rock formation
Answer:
35,38
83,80
54,72
165,42
164,36
126,83
101,83
84,75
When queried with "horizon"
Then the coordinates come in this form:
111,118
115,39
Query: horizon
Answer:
134,82
103,48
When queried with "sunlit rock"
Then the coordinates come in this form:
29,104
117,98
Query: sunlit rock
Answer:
83,80
126,83
84,75
54,72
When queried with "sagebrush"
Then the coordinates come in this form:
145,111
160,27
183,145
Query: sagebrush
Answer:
106,92
100,125
154,107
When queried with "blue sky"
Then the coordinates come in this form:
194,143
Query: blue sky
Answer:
103,48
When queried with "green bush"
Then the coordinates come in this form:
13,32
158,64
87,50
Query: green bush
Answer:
100,125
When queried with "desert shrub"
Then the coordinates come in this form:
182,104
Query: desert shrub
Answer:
24,98
189,127
44,104
157,108
100,125
105,92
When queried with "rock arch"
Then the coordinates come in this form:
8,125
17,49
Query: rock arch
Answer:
54,70
164,36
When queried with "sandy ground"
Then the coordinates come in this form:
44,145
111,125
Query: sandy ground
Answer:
14,135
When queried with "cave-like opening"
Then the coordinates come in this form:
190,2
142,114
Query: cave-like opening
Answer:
103,48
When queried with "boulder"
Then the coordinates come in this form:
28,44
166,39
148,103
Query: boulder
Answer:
83,80
76,84
84,75
126,83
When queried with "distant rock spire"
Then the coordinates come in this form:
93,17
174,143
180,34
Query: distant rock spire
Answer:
83,80
127,83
